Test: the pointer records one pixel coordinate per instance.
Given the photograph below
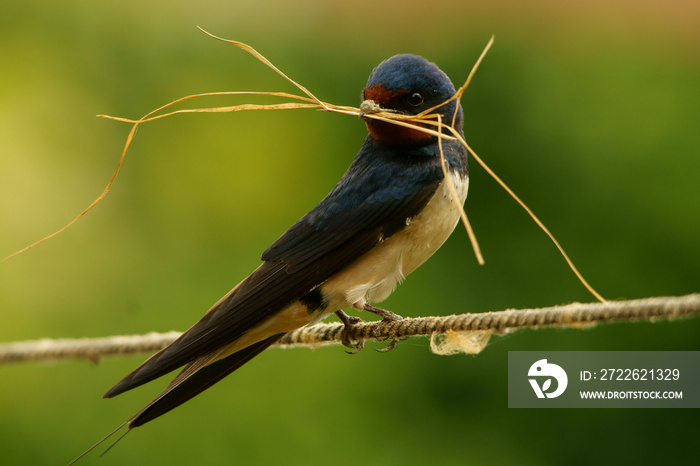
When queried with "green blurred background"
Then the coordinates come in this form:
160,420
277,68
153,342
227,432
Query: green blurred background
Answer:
589,110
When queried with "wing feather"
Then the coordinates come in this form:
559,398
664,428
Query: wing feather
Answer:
362,210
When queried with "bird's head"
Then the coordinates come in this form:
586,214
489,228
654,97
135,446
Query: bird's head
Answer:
407,84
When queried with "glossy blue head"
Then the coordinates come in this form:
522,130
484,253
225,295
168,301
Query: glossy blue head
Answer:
408,84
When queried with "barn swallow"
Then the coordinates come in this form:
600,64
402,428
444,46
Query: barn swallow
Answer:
387,215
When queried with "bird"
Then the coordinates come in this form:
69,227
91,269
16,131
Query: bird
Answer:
390,211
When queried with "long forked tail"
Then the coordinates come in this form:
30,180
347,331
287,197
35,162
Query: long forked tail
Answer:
184,388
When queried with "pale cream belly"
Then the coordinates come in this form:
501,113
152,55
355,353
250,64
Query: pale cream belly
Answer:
375,275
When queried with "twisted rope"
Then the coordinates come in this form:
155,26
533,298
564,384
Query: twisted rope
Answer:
571,315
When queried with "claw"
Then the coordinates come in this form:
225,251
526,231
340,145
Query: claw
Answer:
387,316
392,344
349,321
359,346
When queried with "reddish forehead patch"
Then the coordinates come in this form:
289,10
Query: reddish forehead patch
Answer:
382,95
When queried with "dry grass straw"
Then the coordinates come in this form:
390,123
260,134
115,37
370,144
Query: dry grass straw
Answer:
426,121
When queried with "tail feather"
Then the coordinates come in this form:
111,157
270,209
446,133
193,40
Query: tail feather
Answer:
171,357
184,388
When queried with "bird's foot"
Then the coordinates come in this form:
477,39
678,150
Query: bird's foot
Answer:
349,321
387,316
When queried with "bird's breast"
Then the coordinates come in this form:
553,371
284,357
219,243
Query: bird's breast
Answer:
375,275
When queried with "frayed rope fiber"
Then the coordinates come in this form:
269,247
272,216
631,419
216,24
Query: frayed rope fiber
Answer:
463,333
452,342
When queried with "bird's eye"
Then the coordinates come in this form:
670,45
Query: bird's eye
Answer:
415,99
